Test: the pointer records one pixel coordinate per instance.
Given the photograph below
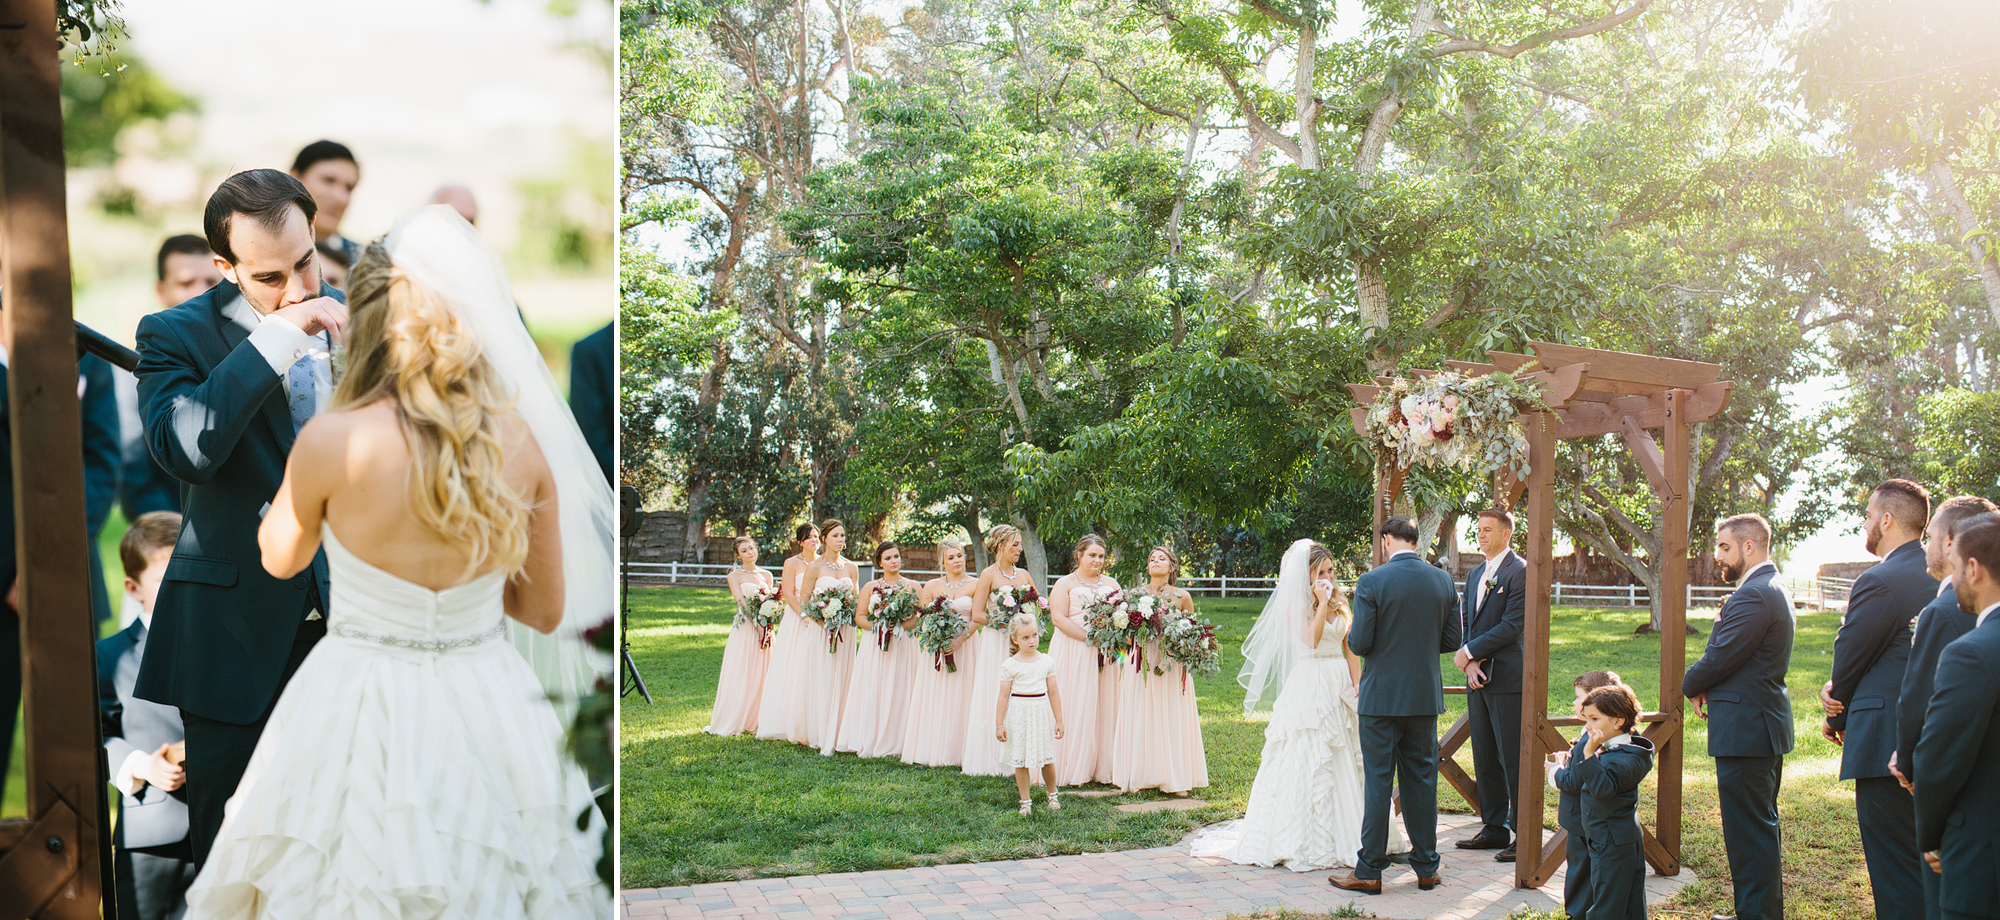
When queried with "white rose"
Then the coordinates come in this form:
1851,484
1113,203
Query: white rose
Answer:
1031,610
1120,620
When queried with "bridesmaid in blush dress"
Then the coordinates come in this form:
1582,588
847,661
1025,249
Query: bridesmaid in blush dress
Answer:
745,657
781,711
934,733
985,651
1077,752
878,695
1157,744
828,672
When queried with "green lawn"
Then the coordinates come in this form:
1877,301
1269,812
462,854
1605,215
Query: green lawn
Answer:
700,808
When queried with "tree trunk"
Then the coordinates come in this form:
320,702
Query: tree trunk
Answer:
1034,557
1945,185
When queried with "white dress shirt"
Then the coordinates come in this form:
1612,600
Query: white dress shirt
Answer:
1983,614
127,776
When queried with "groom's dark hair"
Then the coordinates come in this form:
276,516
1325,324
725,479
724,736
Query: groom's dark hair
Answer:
1401,528
264,195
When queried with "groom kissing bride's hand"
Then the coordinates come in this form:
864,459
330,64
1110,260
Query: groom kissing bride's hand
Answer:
320,314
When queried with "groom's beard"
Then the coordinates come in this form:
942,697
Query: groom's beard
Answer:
1731,573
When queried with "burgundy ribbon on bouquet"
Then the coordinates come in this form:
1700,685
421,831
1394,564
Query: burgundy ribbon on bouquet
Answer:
763,637
940,661
885,631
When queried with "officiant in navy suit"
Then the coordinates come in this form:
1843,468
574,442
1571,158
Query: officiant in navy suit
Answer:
1957,767
225,382
1739,687
1405,616
1869,657
1494,608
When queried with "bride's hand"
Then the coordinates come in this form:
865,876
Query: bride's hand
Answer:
317,315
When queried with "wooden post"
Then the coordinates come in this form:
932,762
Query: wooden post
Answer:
55,872
1669,735
1532,864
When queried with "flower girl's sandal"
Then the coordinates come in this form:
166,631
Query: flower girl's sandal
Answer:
1055,801
1027,808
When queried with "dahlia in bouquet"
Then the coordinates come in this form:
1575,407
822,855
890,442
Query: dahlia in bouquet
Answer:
893,605
1190,641
938,626
1149,614
1008,600
763,606
833,607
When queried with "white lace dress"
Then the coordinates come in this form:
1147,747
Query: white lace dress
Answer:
1306,802
412,768
1031,721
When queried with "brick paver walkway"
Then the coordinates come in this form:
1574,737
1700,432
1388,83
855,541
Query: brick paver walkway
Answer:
1163,882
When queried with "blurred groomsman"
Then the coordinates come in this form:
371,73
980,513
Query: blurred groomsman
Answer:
593,395
1869,656
1958,757
1739,687
1494,609
329,172
1939,624
184,269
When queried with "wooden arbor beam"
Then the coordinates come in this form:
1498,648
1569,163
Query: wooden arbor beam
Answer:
65,787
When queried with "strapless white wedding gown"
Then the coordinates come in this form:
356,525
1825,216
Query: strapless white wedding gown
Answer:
411,768
1307,801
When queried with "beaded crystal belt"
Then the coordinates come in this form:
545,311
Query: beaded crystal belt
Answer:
422,645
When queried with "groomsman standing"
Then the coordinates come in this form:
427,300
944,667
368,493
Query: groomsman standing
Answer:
1739,687
1958,758
1405,616
1869,655
1495,606
1938,626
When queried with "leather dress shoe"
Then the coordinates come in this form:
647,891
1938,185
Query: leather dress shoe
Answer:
1351,882
1483,841
1505,855
1430,883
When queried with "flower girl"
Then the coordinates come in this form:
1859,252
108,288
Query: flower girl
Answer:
1030,713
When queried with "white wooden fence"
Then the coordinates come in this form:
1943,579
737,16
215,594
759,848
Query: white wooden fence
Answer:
1811,593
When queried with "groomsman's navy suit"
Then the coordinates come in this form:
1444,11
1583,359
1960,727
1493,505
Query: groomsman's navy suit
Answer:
98,411
1749,732
593,395
1958,774
1493,712
1938,626
1869,658
155,865
226,635
1405,616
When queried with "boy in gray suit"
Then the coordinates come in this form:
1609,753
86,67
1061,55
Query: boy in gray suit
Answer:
1405,616
143,742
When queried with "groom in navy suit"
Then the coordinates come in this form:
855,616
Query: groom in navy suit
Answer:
1405,616
1495,608
225,382
1957,761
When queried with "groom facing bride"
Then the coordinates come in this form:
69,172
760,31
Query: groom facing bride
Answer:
1405,616
226,380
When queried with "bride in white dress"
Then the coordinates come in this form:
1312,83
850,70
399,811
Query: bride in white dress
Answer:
413,766
1306,802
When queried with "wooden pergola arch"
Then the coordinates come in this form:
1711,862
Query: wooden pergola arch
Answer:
1589,392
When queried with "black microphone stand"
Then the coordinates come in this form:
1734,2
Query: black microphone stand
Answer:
631,520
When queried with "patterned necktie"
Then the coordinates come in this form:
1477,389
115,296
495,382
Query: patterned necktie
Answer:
300,382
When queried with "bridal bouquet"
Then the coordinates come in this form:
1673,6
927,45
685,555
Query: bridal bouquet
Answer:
1111,625
1150,614
833,607
763,606
937,628
892,606
1008,600
1190,642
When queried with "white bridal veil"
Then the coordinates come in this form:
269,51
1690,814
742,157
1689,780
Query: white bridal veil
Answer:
1278,639
435,246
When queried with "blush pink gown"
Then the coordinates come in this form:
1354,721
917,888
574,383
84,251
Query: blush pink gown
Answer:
782,712
1076,681
983,755
934,730
1157,741
740,688
878,694
827,677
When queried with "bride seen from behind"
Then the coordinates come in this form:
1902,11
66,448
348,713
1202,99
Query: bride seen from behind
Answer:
1306,802
413,765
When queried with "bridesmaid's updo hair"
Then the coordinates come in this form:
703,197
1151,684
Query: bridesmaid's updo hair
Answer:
802,533
1020,622
830,525
998,537
1172,560
1089,540
883,547
740,541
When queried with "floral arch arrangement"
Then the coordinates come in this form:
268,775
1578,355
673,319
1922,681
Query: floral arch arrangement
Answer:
1448,419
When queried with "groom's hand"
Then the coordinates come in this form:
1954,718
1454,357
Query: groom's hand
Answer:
1475,676
1461,659
320,314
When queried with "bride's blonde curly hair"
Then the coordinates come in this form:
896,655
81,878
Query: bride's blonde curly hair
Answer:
404,342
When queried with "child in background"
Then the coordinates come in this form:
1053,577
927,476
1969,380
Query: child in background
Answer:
1030,716
143,741
1605,777
1569,811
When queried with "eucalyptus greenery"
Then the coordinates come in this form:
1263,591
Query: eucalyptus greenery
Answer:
1451,420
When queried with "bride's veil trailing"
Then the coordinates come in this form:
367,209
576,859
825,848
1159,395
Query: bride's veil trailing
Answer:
1277,640
435,246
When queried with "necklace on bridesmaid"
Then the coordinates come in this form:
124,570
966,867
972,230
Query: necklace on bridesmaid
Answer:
1010,573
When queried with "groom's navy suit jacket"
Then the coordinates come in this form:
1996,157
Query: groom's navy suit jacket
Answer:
1405,616
1870,653
216,419
1493,628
